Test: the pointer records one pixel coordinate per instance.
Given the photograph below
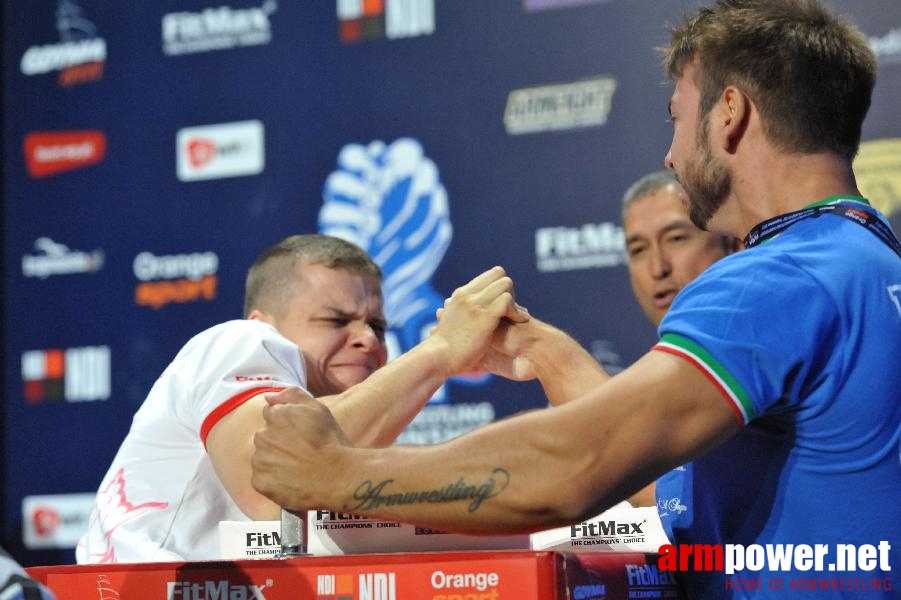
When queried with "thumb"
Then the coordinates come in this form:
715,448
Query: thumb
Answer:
518,313
291,395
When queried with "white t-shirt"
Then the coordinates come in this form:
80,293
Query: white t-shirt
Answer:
161,499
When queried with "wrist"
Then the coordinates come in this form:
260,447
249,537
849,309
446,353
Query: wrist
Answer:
556,355
358,474
546,349
438,358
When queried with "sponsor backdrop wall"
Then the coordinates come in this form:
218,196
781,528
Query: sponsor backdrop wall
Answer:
150,151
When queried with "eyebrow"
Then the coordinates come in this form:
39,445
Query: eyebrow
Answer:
343,314
671,226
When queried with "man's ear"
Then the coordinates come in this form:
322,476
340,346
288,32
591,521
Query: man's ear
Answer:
258,315
733,112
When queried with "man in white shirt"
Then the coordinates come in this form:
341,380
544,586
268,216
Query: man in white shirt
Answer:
313,323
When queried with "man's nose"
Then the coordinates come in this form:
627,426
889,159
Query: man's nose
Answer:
363,336
660,264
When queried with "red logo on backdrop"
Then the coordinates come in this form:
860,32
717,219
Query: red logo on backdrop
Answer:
45,520
201,152
45,376
52,152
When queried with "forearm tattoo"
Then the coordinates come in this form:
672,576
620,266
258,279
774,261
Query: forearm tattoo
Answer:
370,495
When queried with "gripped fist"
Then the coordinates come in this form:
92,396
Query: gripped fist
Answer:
295,450
508,355
471,315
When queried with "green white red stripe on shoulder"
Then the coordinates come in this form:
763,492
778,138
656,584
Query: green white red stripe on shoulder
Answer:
837,199
713,370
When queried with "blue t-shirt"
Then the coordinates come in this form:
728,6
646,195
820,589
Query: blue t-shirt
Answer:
802,334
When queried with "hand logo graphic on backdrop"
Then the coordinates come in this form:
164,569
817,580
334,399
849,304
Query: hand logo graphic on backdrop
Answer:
389,200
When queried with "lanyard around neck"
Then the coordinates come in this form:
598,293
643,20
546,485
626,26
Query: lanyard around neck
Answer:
852,210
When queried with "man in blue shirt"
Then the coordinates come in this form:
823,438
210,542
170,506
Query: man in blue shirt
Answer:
665,252
779,364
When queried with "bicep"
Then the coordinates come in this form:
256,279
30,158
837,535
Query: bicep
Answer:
672,409
229,445
656,415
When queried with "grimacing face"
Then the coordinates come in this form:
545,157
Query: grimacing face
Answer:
665,250
336,318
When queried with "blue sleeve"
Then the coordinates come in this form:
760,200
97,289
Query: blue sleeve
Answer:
758,323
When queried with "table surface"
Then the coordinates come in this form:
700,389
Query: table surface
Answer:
480,575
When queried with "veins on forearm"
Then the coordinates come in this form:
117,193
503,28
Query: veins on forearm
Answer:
371,495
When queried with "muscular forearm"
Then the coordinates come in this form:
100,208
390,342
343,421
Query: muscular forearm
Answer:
374,412
565,369
519,475
531,471
474,490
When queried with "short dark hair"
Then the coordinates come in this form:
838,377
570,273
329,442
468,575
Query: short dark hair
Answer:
272,278
810,73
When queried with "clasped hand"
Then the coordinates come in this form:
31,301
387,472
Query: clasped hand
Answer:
500,342
473,317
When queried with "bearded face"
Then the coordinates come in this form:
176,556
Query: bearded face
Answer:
707,181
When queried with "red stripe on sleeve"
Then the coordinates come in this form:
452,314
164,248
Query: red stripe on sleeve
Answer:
700,367
228,406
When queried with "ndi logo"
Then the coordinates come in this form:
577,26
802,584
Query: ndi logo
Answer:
370,586
334,587
377,586
360,20
73,375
